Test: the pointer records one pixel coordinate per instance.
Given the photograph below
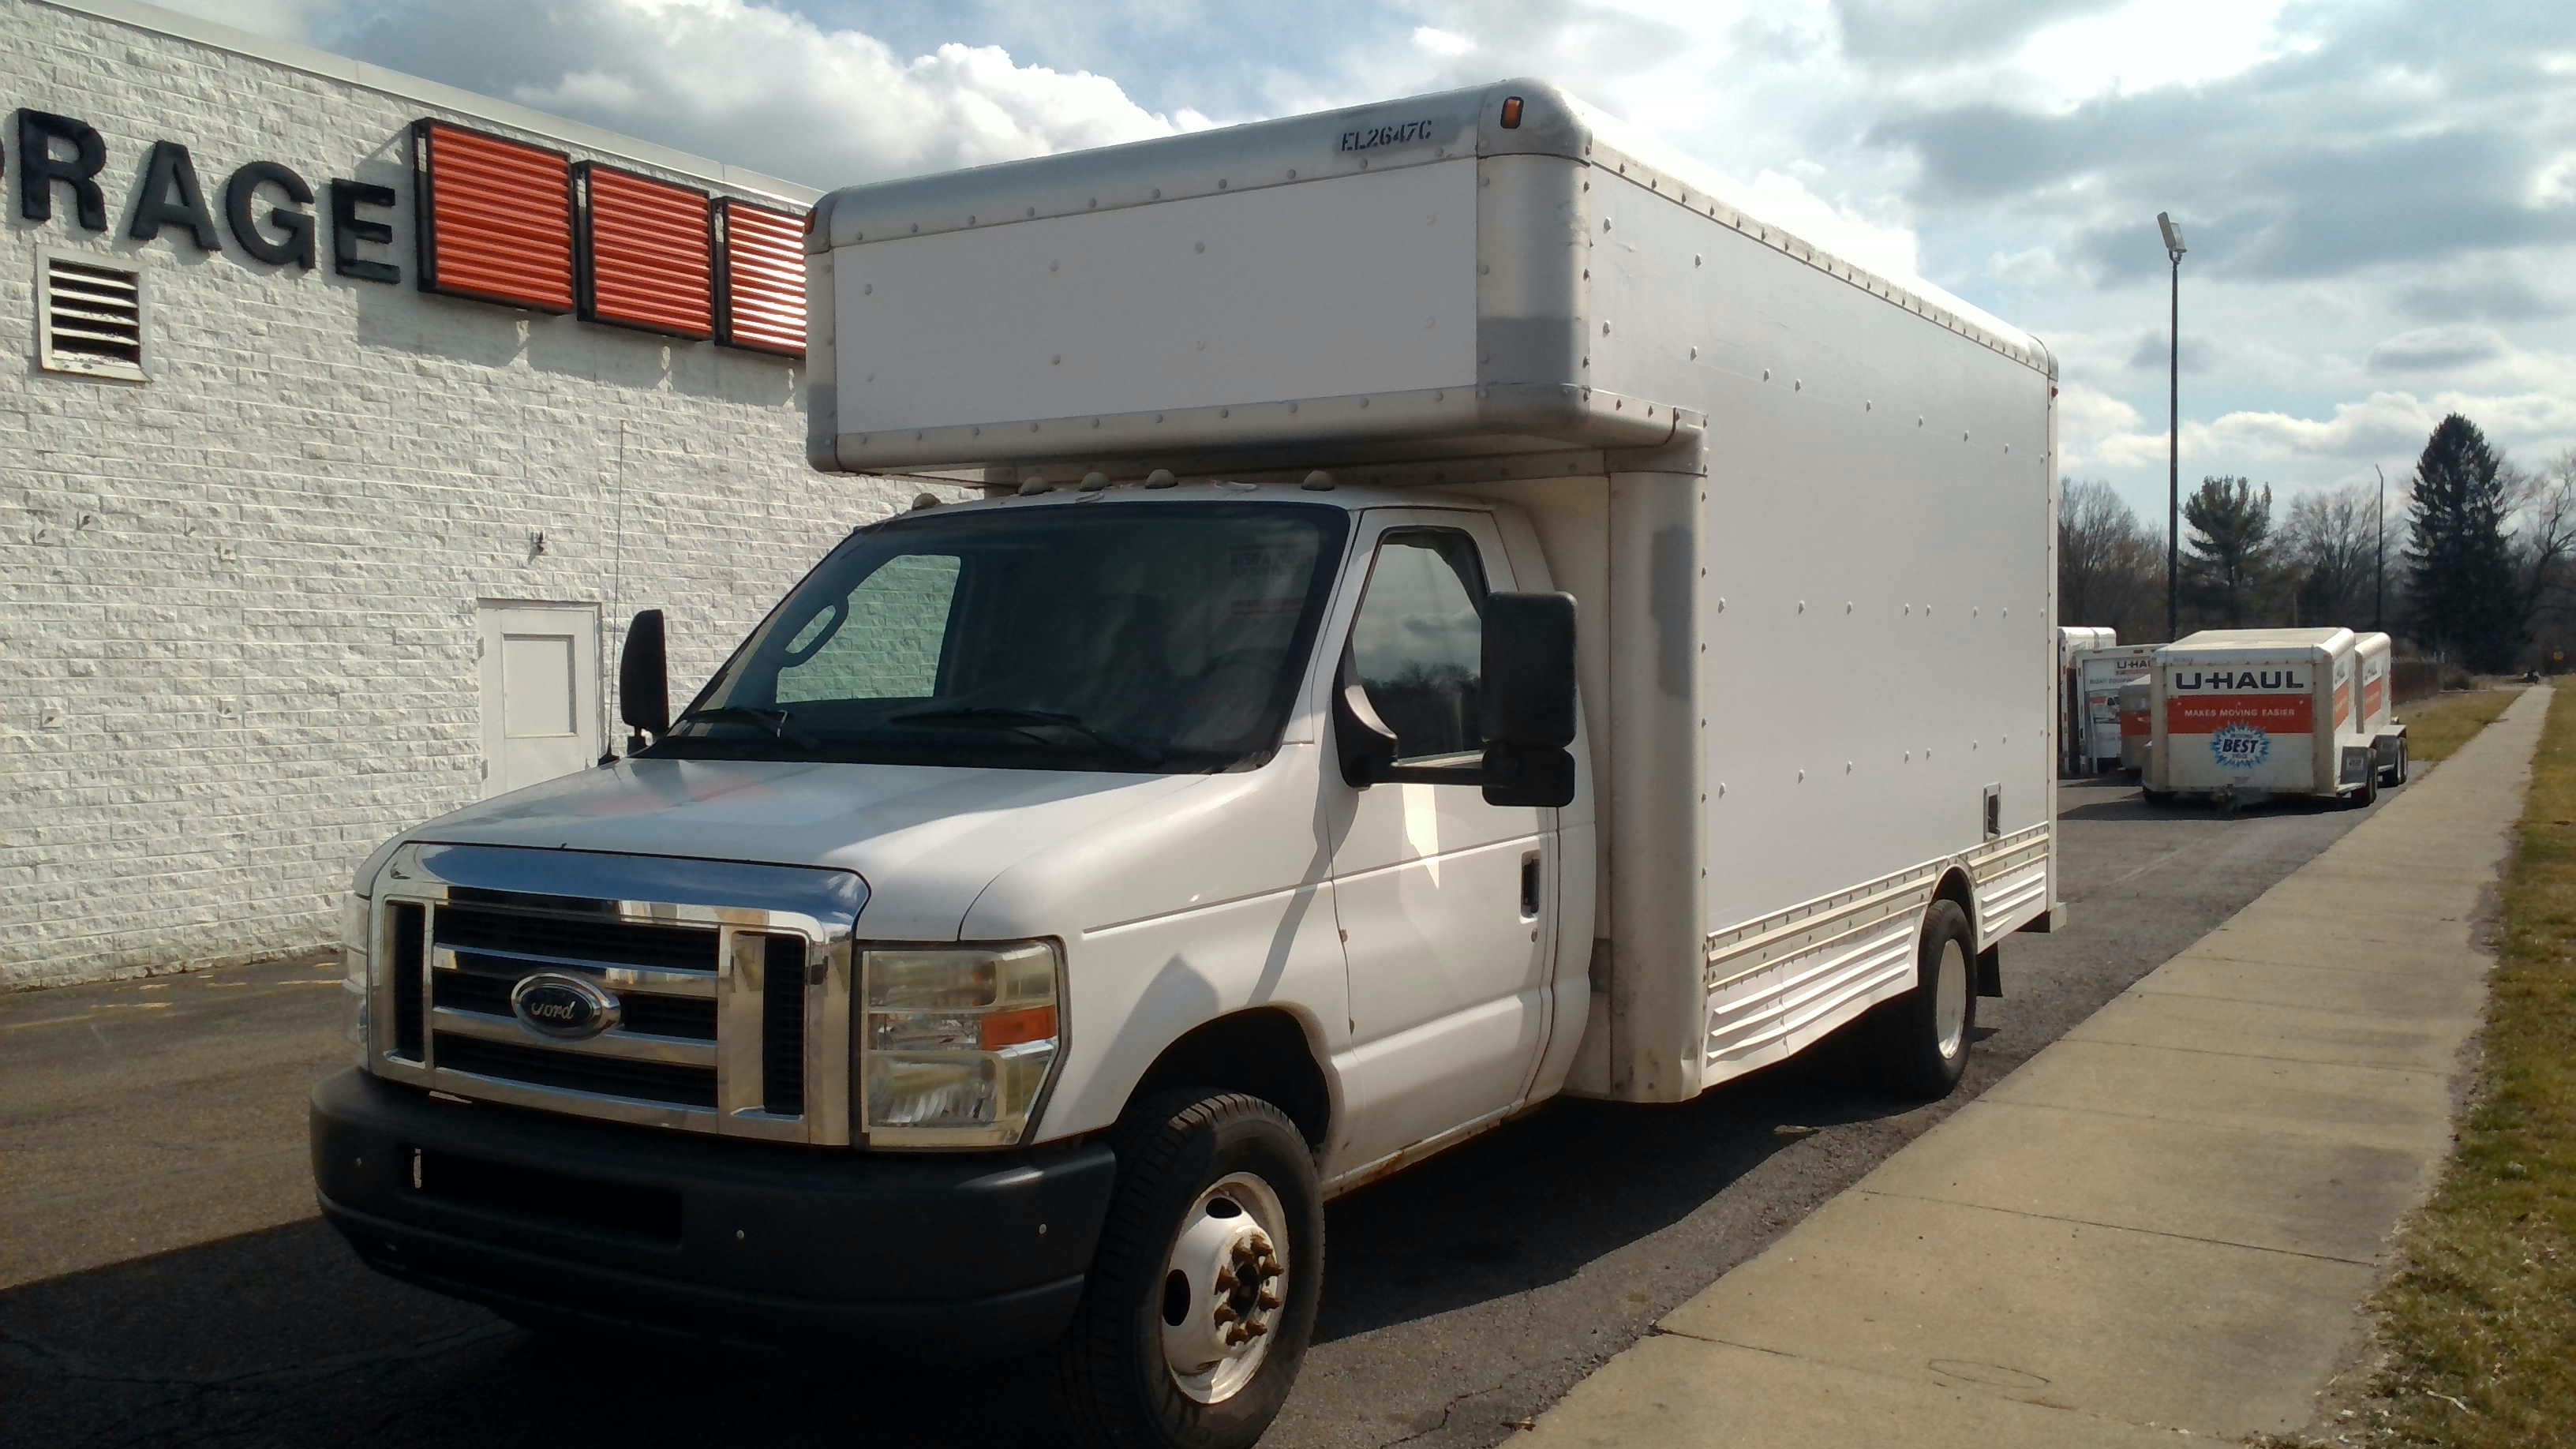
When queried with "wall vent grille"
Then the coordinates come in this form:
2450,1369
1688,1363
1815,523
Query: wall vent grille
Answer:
89,315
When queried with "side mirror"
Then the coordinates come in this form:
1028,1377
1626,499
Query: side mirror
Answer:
1367,745
644,680
1528,668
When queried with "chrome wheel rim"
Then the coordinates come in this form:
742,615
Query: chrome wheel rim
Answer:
1223,1286
1950,999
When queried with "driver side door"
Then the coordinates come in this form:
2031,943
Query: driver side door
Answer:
1444,900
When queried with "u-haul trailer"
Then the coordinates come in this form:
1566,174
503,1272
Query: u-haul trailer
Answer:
2137,722
2099,674
1461,614
2243,714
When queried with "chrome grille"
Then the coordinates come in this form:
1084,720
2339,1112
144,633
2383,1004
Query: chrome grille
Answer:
663,1048
732,983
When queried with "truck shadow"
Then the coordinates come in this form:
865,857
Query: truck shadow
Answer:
2128,804
1538,1200
279,1337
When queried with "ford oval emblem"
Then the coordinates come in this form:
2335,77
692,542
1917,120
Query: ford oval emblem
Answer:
558,1004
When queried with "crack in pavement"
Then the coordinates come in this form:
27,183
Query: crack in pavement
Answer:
1450,1408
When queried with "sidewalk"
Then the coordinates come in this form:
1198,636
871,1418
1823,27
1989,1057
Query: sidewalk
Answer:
2163,1222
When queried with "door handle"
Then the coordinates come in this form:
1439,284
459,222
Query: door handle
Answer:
1529,886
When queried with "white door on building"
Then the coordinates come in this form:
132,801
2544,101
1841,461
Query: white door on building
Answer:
540,692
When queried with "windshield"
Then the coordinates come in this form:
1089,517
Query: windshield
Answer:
1162,637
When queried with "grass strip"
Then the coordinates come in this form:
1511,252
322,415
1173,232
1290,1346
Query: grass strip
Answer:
2479,1323
2437,727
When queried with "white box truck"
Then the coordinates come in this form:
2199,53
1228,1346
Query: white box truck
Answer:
1462,614
2074,642
2241,715
2099,674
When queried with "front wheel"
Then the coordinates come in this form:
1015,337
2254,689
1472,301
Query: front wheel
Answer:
2396,775
1202,1296
1923,1035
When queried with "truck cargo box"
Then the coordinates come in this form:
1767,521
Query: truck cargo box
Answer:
1807,511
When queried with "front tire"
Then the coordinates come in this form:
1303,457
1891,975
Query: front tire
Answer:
2397,770
1201,1297
1923,1035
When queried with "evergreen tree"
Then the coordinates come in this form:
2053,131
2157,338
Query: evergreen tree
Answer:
2232,556
2467,601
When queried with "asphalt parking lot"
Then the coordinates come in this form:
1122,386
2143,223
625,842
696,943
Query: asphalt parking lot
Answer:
163,1279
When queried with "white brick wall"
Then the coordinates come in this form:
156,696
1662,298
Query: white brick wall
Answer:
237,603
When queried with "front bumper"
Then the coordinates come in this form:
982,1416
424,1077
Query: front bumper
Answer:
755,1245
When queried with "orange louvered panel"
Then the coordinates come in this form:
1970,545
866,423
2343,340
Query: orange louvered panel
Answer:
495,218
647,258
762,304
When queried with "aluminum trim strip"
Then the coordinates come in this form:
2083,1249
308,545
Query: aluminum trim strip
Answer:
619,1043
645,980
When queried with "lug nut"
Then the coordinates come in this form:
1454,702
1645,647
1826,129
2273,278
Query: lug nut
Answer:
1267,1299
1225,1313
1255,1329
1225,1280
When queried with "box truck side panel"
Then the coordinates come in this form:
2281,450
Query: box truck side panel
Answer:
1168,307
1874,653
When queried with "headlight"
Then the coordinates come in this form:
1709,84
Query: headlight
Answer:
354,917
955,1042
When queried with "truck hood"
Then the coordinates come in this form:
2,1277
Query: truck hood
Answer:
927,839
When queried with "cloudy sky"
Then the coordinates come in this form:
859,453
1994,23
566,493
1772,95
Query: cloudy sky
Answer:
2380,198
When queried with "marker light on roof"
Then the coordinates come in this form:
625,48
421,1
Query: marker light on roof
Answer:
1511,113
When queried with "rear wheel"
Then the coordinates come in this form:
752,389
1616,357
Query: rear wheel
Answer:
2368,794
1202,1296
1922,1036
2396,775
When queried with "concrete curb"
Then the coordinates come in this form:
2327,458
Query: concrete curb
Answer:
2163,1221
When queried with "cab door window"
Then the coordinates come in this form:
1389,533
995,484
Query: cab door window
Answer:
1417,643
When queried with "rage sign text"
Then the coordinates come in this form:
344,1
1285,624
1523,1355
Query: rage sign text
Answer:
59,152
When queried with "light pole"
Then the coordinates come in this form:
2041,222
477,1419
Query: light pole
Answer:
2173,437
2379,590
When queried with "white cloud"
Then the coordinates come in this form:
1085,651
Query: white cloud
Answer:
2383,426
1447,44
2143,45
756,84
2087,418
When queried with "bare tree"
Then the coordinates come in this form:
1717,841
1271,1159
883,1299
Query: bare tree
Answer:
2546,538
2544,549
2330,543
2109,570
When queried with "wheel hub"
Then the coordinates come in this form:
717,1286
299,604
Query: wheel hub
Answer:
1950,1000
1222,1288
